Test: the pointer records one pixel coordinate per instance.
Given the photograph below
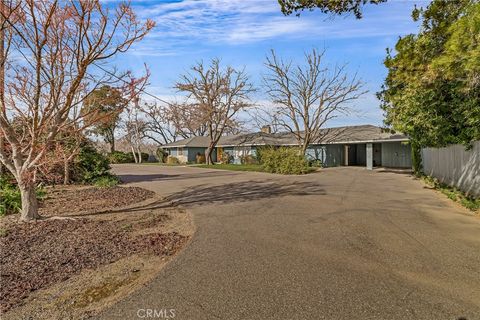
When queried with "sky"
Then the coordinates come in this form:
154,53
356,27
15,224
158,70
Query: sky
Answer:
242,32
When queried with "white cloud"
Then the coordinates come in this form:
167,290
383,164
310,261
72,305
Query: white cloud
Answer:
246,21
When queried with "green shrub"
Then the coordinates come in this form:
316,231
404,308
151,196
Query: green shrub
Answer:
453,193
162,155
284,160
172,160
91,165
416,158
145,156
106,181
10,197
259,152
125,157
120,157
316,163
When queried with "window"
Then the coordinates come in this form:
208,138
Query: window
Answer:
180,151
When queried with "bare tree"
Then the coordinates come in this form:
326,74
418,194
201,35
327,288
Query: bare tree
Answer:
68,144
134,133
263,116
135,126
188,120
218,94
158,126
308,96
50,50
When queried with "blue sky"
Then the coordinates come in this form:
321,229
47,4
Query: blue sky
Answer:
241,32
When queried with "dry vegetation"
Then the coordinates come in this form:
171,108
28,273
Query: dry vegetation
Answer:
118,239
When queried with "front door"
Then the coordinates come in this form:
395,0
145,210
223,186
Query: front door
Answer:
219,154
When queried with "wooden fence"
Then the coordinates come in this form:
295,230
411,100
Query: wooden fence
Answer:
455,166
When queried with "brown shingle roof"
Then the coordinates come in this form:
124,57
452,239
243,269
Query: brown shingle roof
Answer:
338,135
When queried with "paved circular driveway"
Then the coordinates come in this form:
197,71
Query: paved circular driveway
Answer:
343,243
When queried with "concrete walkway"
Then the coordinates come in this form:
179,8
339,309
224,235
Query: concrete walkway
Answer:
343,243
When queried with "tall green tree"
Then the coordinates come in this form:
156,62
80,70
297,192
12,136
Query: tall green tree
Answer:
431,91
103,108
336,7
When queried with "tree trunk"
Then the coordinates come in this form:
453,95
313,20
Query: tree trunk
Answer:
304,148
2,145
139,156
134,155
66,172
208,155
29,202
112,146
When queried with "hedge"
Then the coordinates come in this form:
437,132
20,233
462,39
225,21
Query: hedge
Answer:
284,160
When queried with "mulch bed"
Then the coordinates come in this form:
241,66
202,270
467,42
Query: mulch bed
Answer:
65,201
37,255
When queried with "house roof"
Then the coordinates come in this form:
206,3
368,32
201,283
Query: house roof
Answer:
192,142
337,135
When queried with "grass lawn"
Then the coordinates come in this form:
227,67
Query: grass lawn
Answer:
241,167
234,167
162,164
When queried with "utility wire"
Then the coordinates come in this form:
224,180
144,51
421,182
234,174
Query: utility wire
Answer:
124,81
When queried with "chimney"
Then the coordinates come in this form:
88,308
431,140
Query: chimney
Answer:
266,129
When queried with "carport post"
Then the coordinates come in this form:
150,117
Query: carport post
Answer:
369,156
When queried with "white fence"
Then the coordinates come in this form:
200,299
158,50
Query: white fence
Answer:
454,166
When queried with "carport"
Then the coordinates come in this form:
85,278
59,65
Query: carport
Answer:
392,154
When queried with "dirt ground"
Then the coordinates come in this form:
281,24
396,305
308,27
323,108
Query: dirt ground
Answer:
109,242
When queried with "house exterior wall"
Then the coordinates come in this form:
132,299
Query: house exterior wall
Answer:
181,156
455,166
377,155
361,154
173,152
239,152
228,150
334,155
396,155
316,152
330,155
192,153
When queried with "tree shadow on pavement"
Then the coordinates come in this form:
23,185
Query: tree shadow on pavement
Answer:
129,178
243,191
226,193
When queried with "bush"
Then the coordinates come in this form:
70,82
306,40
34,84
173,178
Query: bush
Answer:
316,163
226,158
248,159
161,155
172,160
106,181
259,152
284,160
200,158
10,197
125,157
120,157
145,156
453,193
91,165
416,158
10,200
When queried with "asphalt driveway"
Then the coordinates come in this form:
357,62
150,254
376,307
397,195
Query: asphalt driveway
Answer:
343,243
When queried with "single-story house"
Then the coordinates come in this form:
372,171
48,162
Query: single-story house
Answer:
364,145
